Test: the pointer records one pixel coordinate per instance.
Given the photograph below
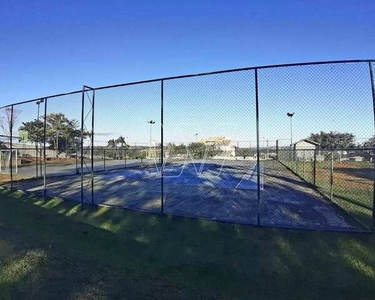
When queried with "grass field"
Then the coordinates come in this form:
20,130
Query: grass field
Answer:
352,187
53,250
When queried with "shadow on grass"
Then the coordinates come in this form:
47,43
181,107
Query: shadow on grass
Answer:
121,253
364,173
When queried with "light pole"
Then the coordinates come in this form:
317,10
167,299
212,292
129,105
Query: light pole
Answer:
196,137
151,122
290,115
37,138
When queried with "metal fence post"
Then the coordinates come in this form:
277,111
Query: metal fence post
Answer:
291,159
77,161
11,147
125,155
277,150
104,157
258,149
44,148
81,142
92,144
40,159
162,144
314,167
36,160
331,178
373,193
304,159
373,106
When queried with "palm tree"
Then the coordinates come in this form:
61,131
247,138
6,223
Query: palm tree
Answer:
121,140
112,145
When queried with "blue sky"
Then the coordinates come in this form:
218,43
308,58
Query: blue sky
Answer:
49,47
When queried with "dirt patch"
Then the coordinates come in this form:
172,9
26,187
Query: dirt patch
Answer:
29,161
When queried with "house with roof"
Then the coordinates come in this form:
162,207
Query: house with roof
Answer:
304,149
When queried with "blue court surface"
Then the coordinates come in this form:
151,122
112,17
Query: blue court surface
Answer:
197,174
206,190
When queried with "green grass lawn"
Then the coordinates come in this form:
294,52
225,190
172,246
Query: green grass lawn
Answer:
350,191
53,250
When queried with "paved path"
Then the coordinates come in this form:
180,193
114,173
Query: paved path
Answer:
71,169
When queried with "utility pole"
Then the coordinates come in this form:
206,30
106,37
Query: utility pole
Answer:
290,115
151,122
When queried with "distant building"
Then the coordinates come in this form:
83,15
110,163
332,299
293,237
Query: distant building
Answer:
29,150
356,158
223,143
304,149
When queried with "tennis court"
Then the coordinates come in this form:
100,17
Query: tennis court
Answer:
217,191
189,145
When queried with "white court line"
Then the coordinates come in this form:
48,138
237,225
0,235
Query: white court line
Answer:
252,171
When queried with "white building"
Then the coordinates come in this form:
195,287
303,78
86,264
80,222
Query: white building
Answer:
304,149
29,150
356,158
223,143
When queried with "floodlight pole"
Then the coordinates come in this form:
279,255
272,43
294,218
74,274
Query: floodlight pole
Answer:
290,115
196,137
151,122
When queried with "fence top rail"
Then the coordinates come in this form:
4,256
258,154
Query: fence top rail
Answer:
329,149
199,74
42,98
238,70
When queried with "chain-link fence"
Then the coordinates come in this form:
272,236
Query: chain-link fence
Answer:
287,146
343,176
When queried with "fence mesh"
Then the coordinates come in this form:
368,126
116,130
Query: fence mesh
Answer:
321,107
129,119
204,176
290,146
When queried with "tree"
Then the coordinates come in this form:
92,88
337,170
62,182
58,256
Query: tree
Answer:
7,122
123,146
112,146
34,129
333,139
61,133
174,150
120,140
113,143
367,154
370,143
201,150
